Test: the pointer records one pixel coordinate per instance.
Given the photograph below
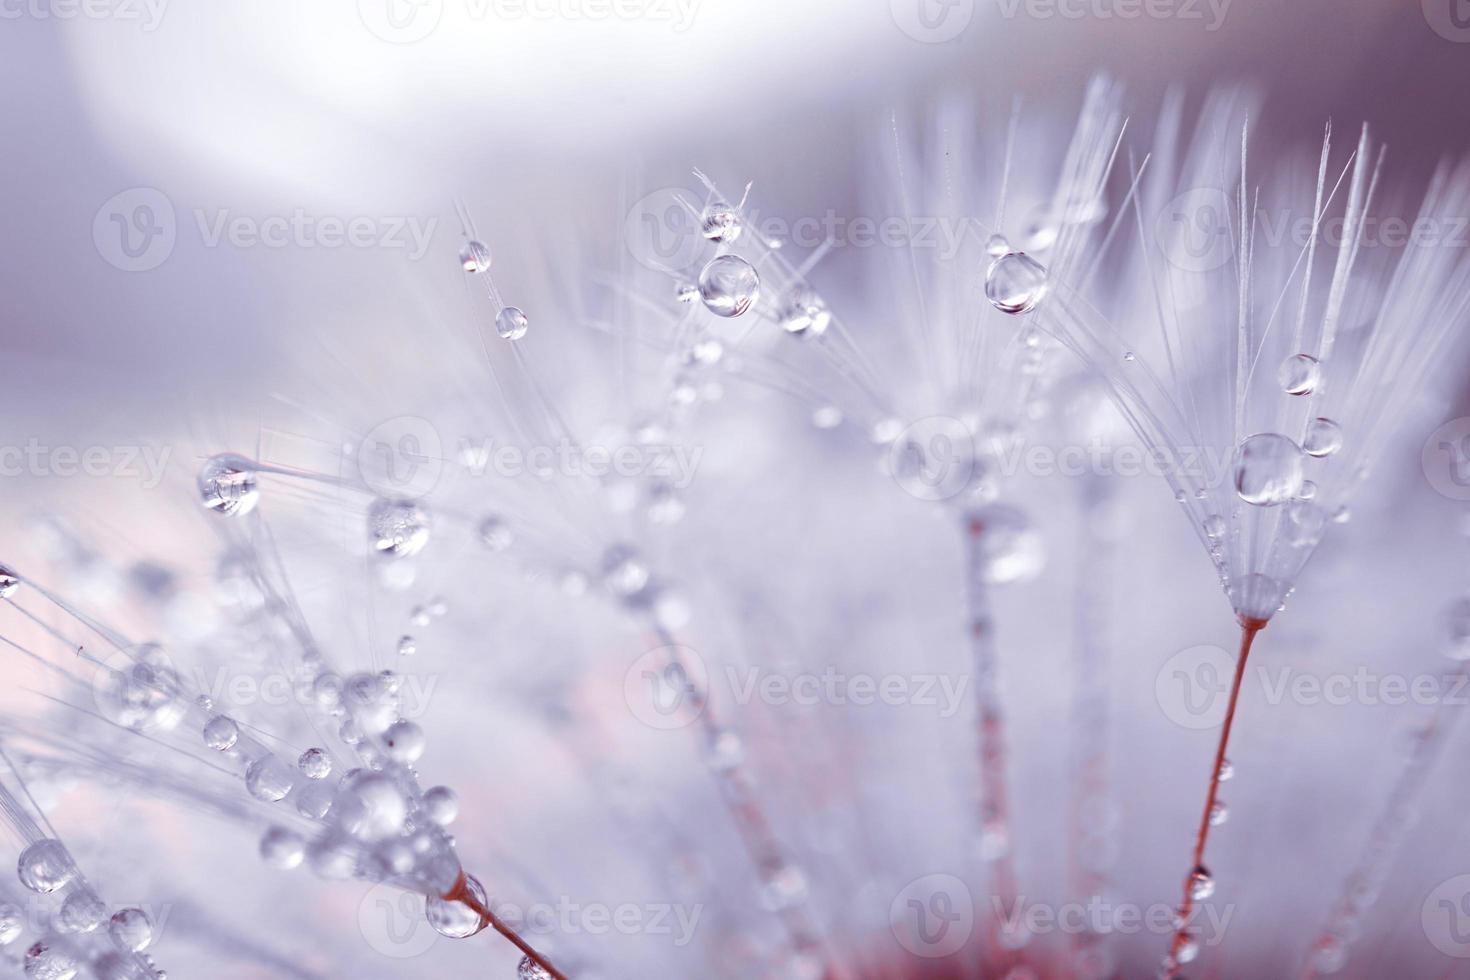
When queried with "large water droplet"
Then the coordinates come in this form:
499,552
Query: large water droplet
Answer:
45,866
1323,438
455,919
1015,283
729,285
269,779
131,929
47,962
1299,374
1268,469
228,484
511,323
398,528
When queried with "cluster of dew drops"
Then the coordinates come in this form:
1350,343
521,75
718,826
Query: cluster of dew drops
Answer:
46,868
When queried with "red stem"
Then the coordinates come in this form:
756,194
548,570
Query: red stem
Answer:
461,893
1248,630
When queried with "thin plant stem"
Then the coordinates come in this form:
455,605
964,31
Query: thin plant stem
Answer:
461,893
997,847
1182,939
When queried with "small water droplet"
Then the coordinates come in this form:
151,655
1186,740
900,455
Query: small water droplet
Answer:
1201,883
229,485
220,733
1299,374
529,970
405,742
687,292
1215,526
720,222
804,313
729,285
495,534
1009,548
996,246
1219,813
315,763
474,257
1323,438
1015,283
46,962
1129,356
9,582
441,805
511,323
1227,771
1268,469
397,528
282,848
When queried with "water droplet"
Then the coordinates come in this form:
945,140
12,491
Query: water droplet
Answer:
1010,549
1186,947
220,733
885,431
528,970
1342,515
474,256
511,323
1308,490
729,285
1219,813
708,351
315,763
1457,626
131,930
9,582
1227,771
269,779
1015,283
455,919
1180,497
1201,883
687,292
398,528
282,848
720,222
45,866
827,417
1304,523
1129,356
12,920
623,570
996,246
803,312
1215,526
228,484
371,807
314,800
81,911
1268,469
1299,374
46,962
404,741
407,647
1323,438
495,534
783,886
441,805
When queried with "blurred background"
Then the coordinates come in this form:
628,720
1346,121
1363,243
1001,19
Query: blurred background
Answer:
232,226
